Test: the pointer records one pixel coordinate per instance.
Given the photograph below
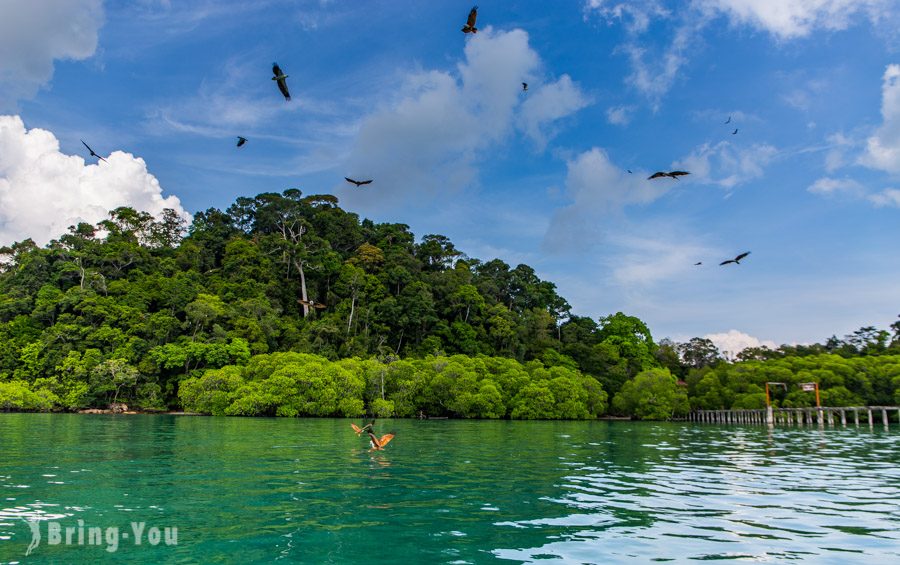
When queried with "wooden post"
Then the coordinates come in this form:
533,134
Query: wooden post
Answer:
884,417
856,417
830,414
821,417
843,418
871,423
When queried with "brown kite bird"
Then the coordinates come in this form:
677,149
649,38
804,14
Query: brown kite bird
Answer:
311,303
379,443
470,23
92,152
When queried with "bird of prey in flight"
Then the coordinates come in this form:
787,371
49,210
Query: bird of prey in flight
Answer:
92,152
367,427
728,121
470,23
281,79
358,183
241,141
734,132
672,174
525,87
698,263
379,443
311,303
736,260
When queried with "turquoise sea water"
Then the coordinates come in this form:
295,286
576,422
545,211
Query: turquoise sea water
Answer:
308,490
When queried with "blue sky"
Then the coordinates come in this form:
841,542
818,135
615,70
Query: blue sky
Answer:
394,91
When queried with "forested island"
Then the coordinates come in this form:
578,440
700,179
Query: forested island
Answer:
288,305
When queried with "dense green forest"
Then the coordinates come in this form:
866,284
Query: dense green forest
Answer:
285,304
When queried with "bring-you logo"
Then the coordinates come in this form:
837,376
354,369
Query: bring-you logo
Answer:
49,532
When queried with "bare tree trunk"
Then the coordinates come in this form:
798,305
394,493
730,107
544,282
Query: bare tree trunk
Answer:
350,319
299,265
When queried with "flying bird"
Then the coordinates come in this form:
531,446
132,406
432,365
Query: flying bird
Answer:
367,427
280,78
734,132
629,171
728,121
698,263
525,87
92,152
470,23
358,183
311,303
379,443
672,174
241,141
736,260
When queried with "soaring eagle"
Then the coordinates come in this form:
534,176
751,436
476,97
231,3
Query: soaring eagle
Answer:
525,87
92,152
470,23
311,303
673,174
358,182
736,260
379,443
241,141
367,427
280,78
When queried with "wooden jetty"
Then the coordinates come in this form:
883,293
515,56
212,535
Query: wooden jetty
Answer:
821,416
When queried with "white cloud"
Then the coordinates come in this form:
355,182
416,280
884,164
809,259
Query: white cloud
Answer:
597,189
827,186
43,191
654,70
35,33
727,165
887,197
883,150
789,19
733,342
549,103
431,137
644,261
619,115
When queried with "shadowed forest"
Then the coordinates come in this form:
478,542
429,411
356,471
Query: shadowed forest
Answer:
288,305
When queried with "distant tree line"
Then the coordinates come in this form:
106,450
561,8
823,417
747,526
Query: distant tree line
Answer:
253,309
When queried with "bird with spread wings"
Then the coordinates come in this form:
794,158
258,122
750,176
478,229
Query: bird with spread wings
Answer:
92,152
281,79
358,183
379,443
671,174
470,23
736,260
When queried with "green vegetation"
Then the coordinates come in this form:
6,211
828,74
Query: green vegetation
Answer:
222,319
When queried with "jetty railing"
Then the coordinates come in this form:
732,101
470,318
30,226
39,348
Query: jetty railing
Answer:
818,416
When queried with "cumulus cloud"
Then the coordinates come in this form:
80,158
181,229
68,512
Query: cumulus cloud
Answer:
883,151
795,18
728,165
733,342
827,186
887,197
549,103
43,191
35,33
619,115
440,125
596,187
